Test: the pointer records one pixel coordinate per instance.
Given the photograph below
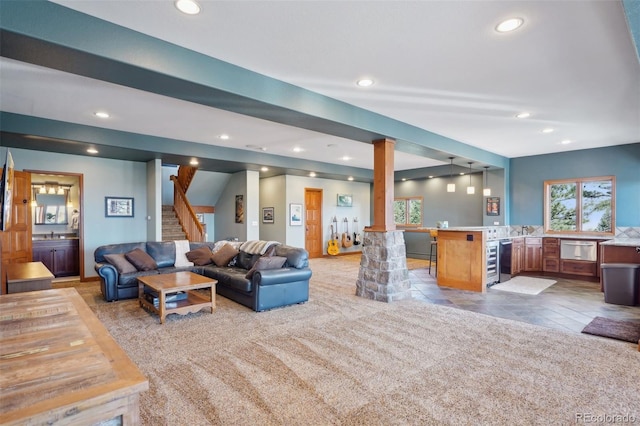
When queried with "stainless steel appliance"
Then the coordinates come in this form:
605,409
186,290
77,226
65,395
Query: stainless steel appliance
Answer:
505,260
493,262
579,250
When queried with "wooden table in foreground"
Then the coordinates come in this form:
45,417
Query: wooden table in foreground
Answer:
59,365
164,284
28,276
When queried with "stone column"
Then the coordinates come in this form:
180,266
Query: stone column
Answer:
383,274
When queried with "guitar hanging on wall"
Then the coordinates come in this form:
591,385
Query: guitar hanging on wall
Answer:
356,235
346,236
332,247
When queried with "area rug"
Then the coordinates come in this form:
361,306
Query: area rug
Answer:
615,329
524,285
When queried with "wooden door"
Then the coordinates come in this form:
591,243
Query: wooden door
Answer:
313,222
16,241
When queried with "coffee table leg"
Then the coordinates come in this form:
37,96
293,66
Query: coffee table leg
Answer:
140,292
161,307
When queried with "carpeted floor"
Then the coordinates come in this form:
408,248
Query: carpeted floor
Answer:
344,360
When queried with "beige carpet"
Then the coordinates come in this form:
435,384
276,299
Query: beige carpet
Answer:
525,285
344,360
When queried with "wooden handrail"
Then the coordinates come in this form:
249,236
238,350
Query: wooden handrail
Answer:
185,176
186,216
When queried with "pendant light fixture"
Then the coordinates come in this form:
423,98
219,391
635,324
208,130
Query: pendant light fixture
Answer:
486,191
451,187
470,189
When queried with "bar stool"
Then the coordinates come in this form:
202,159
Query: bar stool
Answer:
433,250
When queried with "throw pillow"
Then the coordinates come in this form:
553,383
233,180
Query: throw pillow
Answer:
245,260
141,260
120,262
200,256
225,255
265,263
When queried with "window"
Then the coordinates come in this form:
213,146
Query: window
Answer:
583,205
407,211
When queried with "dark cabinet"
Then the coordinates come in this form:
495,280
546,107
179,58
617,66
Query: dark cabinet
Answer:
550,255
61,257
532,254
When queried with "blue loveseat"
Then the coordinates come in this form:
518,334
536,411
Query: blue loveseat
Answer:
266,289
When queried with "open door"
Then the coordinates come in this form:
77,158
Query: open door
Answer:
313,222
16,241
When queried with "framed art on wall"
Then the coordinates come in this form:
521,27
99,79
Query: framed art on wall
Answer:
295,214
239,208
345,200
118,206
267,215
493,206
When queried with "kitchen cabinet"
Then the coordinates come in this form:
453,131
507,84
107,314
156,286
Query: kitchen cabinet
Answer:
61,256
579,257
517,255
532,254
462,260
550,255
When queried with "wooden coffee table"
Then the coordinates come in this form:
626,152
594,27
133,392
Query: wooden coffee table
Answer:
164,284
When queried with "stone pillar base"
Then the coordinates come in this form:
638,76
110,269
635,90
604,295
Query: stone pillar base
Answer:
383,272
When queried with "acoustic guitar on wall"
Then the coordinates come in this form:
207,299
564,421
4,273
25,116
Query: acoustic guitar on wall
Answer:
346,236
332,247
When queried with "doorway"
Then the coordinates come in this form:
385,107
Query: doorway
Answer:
57,222
313,222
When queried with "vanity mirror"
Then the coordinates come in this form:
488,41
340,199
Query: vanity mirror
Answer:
50,203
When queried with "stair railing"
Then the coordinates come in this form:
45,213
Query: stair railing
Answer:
185,214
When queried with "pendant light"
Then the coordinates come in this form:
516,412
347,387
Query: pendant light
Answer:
486,191
470,189
451,187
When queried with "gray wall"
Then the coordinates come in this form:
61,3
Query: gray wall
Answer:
529,173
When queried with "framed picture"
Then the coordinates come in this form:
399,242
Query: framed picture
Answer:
200,217
493,206
345,200
267,215
118,207
295,214
239,208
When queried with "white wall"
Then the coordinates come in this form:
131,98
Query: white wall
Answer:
295,187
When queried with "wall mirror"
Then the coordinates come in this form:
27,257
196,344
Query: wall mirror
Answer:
50,206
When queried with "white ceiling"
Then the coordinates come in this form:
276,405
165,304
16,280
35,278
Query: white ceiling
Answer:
437,65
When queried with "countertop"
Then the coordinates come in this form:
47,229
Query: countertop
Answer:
626,242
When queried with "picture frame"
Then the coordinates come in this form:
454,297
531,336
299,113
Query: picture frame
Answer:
345,200
295,214
118,206
268,215
240,208
493,206
200,217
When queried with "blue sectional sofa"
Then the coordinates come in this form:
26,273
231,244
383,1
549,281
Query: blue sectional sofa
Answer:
264,290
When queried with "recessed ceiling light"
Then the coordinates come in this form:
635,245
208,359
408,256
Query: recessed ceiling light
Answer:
565,142
297,149
350,178
101,114
224,136
547,130
364,82
461,173
312,174
193,162
404,179
523,115
509,25
190,7
264,169
92,150
430,177
346,158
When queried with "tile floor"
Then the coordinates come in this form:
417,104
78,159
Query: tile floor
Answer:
567,305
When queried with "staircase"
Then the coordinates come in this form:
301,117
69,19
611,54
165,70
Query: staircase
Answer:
171,229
